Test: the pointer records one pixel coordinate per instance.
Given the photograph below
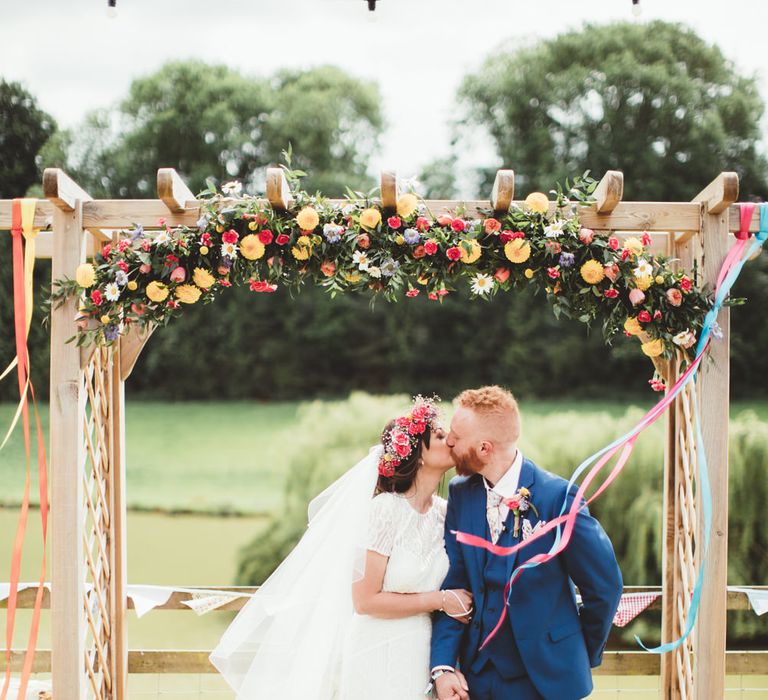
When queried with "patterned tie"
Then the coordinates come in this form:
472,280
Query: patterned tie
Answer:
493,513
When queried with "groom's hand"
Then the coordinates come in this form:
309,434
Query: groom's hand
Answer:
452,686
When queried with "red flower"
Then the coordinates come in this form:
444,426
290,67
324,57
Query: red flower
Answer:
442,292
173,304
646,239
444,220
122,245
613,243
328,268
553,273
513,503
171,260
492,225
386,468
657,384
685,284
501,274
430,247
422,224
282,239
432,296
394,222
122,265
506,236
106,250
453,253
266,236
145,244
261,286
611,293
458,225
625,253
96,297
225,282
412,293
656,315
230,236
138,308
644,317
205,239
419,252
363,241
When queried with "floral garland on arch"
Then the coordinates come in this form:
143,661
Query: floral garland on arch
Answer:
148,277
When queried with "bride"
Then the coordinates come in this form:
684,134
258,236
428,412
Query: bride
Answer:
347,615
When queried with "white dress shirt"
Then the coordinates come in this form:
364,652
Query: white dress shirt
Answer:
507,485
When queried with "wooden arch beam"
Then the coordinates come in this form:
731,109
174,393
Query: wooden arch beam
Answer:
609,191
388,190
503,192
64,193
719,194
172,189
278,190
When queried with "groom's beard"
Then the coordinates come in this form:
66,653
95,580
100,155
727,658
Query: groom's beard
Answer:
467,463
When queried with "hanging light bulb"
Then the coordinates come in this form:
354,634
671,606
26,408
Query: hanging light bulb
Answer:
371,5
636,9
111,9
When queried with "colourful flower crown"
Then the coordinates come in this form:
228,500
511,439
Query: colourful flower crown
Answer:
403,437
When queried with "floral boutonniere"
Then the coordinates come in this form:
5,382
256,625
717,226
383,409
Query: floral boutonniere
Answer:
520,503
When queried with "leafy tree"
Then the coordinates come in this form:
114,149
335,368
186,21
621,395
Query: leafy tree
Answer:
654,100
24,128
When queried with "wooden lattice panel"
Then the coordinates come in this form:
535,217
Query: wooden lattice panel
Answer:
96,474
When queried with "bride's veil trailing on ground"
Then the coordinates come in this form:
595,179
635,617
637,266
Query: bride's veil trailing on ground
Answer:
286,641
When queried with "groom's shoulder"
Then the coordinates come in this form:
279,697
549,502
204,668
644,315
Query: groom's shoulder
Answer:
461,483
550,482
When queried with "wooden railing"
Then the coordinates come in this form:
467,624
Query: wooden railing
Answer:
194,661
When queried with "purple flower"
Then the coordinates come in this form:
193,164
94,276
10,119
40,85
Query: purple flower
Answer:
138,231
411,236
111,332
389,267
567,259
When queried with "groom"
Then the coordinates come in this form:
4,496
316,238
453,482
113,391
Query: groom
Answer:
546,644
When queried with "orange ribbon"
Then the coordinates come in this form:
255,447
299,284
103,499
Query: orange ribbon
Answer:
21,316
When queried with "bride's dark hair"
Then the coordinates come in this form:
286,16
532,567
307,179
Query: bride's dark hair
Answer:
405,472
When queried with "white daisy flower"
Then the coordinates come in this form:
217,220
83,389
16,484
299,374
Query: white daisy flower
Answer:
232,188
643,269
374,271
112,291
554,229
348,209
685,339
482,284
361,260
229,249
161,238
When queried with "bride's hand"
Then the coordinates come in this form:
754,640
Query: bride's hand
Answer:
457,603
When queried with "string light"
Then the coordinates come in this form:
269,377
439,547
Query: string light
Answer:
371,5
112,8
636,9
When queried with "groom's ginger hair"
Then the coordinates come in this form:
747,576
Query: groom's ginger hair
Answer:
497,406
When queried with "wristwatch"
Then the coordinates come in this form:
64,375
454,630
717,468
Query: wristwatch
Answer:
436,673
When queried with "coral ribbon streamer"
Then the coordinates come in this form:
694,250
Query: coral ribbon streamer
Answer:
22,225
729,272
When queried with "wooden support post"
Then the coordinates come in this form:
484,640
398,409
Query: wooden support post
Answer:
67,398
709,642
173,190
388,190
278,191
503,192
609,191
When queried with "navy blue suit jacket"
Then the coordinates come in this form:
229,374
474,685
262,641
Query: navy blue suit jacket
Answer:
557,640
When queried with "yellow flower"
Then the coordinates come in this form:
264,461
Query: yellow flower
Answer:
528,273
423,280
517,250
643,282
219,228
307,219
105,318
302,249
203,250
632,326
251,248
653,348
133,286
407,204
474,252
592,272
659,279
85,275
202,278
634,245
352,277
400,239
537,202
370,218
157,291
253,225
187,293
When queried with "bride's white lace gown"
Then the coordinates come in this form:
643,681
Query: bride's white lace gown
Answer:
389,659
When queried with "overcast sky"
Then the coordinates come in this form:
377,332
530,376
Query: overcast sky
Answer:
73,58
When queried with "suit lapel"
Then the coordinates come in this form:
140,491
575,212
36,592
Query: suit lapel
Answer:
527,478
479,519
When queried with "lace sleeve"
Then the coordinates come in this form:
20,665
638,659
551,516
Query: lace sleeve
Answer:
381,527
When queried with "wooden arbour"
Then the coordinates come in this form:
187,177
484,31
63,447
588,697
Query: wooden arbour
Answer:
89,656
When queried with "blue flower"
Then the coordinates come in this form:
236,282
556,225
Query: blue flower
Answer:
111,332
390,267
567,259
332,232
411,236
138,231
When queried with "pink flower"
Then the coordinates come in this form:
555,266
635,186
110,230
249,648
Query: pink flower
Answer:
442,292
458,225
586,235
412,293
611,293
363,241
328,268
122,265
636,296
430,247
685,284
394,222
674,296
513,503
656,315
613,243
444,220
453,253
261,286
657,384
422,224
230,236
419,252
266,236
492,225
644,317
282,239
96,297
646,239
502,274
178,274
106,250
553,273
386,468
145,268
506,236
122,245
611,271
432,296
